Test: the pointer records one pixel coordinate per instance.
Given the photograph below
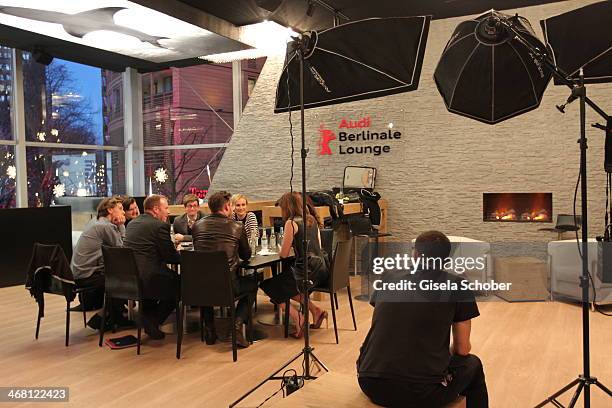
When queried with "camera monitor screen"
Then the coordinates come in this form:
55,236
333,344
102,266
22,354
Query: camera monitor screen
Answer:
359,177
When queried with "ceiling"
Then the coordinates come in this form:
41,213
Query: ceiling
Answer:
293,13
219,17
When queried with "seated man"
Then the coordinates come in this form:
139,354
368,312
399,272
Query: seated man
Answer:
149,237
405,360
218,232
183,224
87,264
131,209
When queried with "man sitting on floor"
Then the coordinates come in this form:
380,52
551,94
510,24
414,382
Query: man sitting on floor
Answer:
218,232
87,264
406,359
149,237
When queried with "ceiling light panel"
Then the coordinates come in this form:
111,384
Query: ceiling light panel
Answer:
118,26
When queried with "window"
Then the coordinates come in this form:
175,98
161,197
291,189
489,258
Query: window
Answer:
250,72
8,173
250,86
117,103
196,109
64,104
6,131
57,172
168,84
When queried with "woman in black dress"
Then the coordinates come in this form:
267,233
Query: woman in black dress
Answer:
284,286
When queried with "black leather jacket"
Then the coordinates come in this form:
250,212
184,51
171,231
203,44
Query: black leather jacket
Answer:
216,232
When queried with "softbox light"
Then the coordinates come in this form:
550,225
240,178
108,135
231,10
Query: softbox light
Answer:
487,73
357,60
582,38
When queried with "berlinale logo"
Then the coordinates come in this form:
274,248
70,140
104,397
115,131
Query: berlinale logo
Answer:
363,140
326,136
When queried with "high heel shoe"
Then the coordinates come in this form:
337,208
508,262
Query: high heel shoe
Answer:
322,316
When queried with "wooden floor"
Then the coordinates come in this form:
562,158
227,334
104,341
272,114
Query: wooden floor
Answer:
529,350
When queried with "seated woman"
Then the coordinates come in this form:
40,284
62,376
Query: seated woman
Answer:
182,224
286,285
239,203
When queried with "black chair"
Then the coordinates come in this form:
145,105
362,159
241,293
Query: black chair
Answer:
327,244
339,279
122,281
206,281
361,227
51,274
565,223
327,241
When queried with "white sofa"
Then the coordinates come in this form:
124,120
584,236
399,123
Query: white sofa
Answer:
467,247
565,266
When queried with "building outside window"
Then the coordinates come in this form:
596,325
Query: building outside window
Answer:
187,122
63,106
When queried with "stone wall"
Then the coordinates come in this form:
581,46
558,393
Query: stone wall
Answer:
435,175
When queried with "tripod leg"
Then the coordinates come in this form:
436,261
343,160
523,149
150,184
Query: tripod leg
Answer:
319,363
603,387
576,395
552,398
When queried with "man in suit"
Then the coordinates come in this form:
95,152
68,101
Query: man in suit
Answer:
149,237
184,223
218,232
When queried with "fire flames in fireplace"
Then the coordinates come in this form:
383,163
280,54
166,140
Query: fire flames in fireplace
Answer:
511,215
517,207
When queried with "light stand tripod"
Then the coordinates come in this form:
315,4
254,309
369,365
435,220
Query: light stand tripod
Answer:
301,48
585,380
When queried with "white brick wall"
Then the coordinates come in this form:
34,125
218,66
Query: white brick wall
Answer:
435,176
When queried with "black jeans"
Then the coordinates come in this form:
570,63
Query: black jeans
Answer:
242,285
160,293
468,380
94,299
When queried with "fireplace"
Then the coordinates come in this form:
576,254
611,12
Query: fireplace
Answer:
517,207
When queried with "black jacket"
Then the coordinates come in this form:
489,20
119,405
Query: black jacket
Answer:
181,226
219,233
49,260
150,240
371,207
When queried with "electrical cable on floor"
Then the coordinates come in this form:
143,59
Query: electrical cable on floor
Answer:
284,382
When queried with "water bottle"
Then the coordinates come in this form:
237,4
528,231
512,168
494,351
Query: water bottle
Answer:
281,235
264,240
272,241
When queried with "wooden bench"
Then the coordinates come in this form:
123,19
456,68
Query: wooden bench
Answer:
335,390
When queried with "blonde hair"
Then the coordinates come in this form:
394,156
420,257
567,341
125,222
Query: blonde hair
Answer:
237,197
107,204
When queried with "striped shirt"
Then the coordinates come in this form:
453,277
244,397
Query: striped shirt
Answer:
250,225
